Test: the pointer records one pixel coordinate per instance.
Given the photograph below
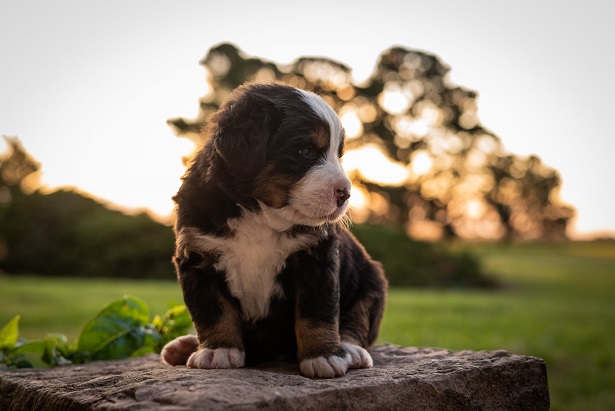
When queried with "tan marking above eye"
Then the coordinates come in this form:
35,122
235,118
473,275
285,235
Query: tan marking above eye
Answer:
320,138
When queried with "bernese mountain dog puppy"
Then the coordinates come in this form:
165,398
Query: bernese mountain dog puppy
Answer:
267,268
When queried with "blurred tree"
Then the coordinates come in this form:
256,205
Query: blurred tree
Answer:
66,233
16,168
445,175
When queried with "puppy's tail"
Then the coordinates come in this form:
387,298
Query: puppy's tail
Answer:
177,351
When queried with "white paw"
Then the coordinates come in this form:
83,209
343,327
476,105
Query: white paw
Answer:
218,358
177,351
360,356
321,367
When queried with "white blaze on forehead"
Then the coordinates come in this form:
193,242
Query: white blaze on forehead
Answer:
314,196
324,111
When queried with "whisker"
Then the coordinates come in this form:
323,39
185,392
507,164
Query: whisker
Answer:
346,221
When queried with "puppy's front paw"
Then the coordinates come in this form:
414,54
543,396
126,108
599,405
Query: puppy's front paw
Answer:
325,367
360,358
217,358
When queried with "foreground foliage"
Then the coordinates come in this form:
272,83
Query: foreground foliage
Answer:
121,330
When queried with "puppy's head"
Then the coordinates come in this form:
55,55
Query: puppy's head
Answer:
283,145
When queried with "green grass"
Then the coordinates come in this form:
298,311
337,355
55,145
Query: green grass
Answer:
64,305
557,303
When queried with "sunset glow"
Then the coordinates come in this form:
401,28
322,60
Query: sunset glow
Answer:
374,166
394,100
351,121
421,163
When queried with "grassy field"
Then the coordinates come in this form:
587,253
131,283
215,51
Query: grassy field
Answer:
557,302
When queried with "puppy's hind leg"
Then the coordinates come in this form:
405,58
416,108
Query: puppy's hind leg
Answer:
177,351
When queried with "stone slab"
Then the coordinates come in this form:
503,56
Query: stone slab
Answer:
402,379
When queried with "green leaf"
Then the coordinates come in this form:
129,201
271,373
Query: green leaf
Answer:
62,346
116,332
9,334
177,312
150,344
57,350
29,355
176,322
30,347
157,322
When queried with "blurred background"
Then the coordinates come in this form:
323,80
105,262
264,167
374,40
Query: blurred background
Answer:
478,142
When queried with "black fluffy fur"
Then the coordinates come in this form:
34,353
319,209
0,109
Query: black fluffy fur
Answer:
260,129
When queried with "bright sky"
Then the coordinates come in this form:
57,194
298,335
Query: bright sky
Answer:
89,85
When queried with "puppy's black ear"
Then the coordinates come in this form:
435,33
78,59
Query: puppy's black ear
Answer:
242,129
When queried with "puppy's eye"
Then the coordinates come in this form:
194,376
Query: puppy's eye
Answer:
307,152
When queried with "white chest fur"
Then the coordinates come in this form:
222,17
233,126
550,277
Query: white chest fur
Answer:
251,258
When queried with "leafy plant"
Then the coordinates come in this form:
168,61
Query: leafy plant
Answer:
120,330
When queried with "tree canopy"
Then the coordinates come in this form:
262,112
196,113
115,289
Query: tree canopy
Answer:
17,166
416,150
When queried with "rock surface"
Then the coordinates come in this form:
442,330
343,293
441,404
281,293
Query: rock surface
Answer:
401,379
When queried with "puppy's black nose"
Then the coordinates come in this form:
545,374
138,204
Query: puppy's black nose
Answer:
342,194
